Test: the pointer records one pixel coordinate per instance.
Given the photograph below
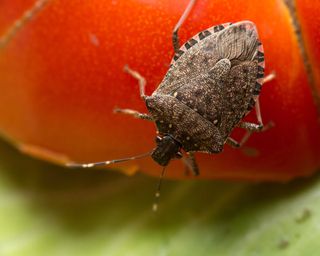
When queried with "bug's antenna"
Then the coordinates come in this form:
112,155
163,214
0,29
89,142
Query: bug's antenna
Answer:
89,165
157,194
19,23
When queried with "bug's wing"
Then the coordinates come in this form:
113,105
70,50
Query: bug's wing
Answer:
244,81
197,38
239,94
237,42
204,94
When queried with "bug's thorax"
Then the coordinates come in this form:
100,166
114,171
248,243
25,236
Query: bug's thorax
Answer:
183,124
167,148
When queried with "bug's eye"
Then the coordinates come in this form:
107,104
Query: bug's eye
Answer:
178,155
158,139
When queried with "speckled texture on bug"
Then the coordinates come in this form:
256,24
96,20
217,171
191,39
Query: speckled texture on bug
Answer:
212,83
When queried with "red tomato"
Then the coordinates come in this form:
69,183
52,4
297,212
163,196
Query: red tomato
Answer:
61,76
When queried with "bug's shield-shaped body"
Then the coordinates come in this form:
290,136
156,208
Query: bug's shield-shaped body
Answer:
211,85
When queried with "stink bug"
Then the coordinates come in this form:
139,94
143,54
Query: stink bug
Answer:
213,82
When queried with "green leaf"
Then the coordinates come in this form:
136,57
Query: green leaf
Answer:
49,210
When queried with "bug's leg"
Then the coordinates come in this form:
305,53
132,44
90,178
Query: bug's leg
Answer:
250,128
259,127
254,127
194,165
232,142
191,164
175,37
133,113
141,80
21,22
235,144
269,78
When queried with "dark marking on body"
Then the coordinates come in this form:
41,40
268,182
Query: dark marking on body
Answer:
178,54
203,34
190,43
218,28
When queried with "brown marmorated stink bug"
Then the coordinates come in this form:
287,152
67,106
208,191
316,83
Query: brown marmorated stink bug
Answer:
213,82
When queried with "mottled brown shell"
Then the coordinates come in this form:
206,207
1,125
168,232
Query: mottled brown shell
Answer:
212,83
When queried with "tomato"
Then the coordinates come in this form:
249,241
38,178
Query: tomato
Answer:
61,76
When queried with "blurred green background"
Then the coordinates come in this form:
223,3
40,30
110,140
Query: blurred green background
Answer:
50,210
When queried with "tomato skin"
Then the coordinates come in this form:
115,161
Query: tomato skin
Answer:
62,75
309,19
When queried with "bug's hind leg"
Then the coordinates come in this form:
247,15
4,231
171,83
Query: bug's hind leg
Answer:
259,127
250,128
175,37
133,113
140,78
269,77
235,144
232,142
191,164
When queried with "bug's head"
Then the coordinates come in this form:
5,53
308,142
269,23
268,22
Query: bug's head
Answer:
167,148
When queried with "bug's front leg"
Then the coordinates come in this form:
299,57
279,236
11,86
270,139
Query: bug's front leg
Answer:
133,113
250,128
175,37
142,85
140,78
